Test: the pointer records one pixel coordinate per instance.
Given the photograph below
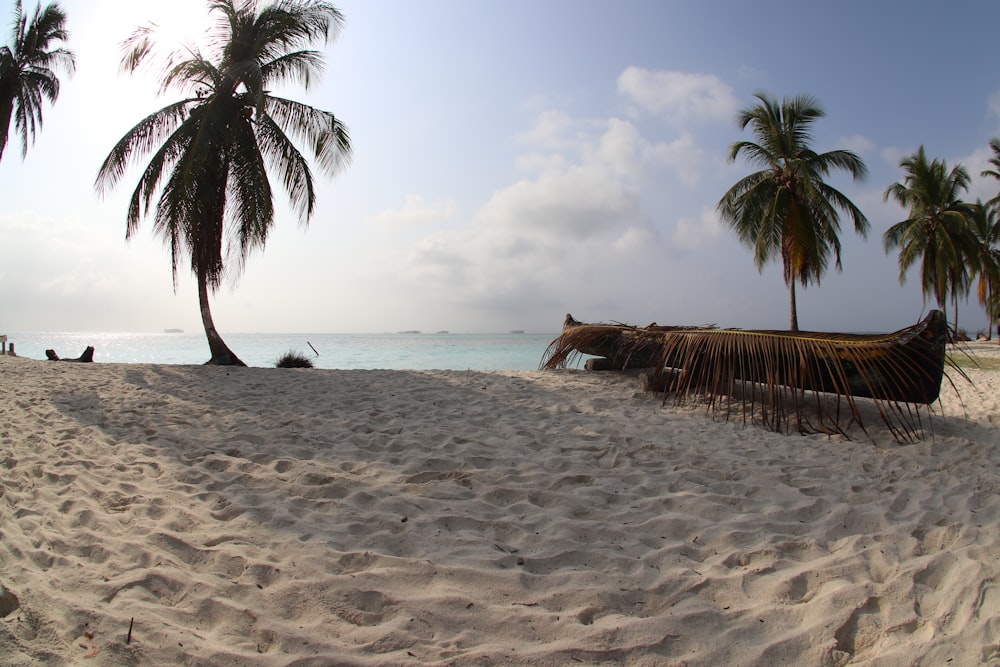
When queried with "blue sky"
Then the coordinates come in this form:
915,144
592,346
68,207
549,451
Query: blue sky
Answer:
515,161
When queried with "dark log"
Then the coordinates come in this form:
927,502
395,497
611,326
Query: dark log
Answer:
87,356
601,364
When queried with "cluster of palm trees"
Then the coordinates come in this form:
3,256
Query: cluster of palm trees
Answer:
786,210
956,243
210,153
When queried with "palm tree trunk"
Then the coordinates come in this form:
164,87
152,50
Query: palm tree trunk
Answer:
795,313
6,111
221,354
993,315
956,315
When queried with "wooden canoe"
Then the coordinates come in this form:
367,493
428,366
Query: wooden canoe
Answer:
904,366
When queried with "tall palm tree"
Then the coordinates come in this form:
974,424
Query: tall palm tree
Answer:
985,228
207,177
786,208
936,233
992,244
28,69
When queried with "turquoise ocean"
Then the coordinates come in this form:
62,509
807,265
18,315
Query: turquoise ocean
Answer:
413,351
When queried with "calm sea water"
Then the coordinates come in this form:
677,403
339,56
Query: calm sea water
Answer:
519,352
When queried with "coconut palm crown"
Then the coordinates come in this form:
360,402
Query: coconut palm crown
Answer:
209,153
984,224
987,228
786,209
28,67
936,233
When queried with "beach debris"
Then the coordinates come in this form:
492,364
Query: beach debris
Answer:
87,356
292,359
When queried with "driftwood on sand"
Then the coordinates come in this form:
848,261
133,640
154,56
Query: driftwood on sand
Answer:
87,356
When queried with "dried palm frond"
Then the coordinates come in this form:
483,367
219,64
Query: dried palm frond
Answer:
775,376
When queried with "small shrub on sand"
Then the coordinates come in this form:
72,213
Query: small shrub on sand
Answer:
293,360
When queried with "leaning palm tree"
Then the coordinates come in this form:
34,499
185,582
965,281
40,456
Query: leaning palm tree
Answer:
207,177
786,208
936,233
28,69
985,228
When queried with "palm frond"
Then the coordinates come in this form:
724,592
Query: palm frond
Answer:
297,66
250,198
810,380
291,165
146,136
325,135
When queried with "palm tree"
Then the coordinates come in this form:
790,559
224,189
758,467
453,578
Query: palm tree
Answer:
211,150
992,244
28,70
937,230
786,208
985,227
995,161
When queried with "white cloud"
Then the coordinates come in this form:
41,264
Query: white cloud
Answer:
678,98
691,234
893,156
618,148
580,201
858,143
981,187
682,155
575,221
552,130
634,239
415,211
994,105
575,196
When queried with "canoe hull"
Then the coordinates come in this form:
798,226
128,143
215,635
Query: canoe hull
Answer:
905,366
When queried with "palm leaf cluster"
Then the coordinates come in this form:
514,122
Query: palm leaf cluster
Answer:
809,381
211,150
28,67
937,234
787,209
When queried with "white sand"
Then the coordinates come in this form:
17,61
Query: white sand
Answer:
315,517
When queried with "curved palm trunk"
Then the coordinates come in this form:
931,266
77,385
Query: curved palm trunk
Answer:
221,354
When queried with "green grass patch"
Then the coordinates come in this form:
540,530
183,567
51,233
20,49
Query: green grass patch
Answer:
972,361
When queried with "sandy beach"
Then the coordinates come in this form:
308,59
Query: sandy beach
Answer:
155,515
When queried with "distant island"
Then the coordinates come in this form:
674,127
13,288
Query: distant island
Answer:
173,331
517,331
